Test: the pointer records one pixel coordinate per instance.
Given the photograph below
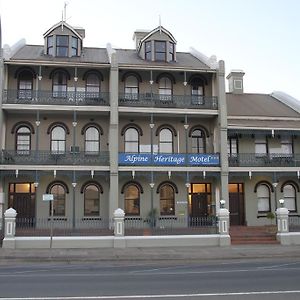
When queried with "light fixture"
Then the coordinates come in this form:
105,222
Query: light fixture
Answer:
169,174
298,174
74,184
40,77
151,82
17,173
92,173
54,173
204,174
152,185
75,78
186,126
250,174
151,125
184,83
133,174
36,184
281,201
37,123
74,124
222,203
275,184
187,185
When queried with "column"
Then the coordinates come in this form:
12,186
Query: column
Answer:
222,118
114,136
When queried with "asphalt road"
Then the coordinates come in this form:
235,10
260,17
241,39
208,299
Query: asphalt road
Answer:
228,279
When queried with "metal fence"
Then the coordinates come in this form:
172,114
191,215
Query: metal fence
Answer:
104,226
294,223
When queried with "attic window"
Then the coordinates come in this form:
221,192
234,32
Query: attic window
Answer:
160,50
172,51
74,46
50,45
238,84
62,45
148,53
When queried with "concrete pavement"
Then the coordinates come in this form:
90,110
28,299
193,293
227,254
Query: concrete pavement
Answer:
149,254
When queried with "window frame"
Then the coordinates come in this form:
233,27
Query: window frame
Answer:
50,45
93,141
56,202
172,51
95,87
57,141
74,38
128,142
165,142
259,141
131,91
294,197
148,53
156,52
96,213
197,138
60,85
136,200
267,198
25,93
60,47
23,134
166,199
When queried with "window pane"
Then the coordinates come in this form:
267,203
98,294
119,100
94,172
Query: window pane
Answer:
131,140
289,196
132,200
91,201
263,198
167,203
58,192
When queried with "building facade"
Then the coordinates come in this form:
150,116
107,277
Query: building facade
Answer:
150,130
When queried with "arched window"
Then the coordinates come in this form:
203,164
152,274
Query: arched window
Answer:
132,140
132,200
58,140
289,196
131,87
165,89
23,140
59,202
92,86
92,140
91,200
263,198
25,83
60,85
165,141
198,141
167,200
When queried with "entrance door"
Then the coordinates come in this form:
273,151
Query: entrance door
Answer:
199,205
236,204
22,199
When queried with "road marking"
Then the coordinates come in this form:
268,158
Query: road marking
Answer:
278,266
157,296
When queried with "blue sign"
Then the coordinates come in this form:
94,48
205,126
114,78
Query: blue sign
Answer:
146,159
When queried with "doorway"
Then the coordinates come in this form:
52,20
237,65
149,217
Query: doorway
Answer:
236,204
22,199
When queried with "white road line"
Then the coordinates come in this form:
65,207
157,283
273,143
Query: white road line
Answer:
157,296
279,266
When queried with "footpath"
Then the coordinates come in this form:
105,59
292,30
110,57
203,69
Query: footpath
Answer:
8,256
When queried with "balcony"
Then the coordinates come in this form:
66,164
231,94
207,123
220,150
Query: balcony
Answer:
268,160
54,98
40,157
169,101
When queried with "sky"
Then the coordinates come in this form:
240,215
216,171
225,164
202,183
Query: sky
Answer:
260,37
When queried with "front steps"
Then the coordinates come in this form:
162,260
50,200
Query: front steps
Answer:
253,235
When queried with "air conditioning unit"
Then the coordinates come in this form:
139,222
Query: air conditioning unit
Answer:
74,149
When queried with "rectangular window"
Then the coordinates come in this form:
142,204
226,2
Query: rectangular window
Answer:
148,52
74,46
260,146
160,50
172,51
50,45
232,146
287,145
62,45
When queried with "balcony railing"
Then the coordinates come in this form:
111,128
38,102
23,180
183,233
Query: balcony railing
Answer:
40,157
55,98
172,101
268,160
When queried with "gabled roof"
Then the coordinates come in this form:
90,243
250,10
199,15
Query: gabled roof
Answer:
158,29
36,53
62,24
184,60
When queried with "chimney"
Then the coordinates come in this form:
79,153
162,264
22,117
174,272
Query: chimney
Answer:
235,81
138,36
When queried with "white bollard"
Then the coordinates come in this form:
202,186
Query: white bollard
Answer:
10,223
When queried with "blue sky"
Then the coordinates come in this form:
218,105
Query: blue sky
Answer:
260,37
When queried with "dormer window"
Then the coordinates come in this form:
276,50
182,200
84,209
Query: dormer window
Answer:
172,51
50,45
62,45
160,50
148,52
74,46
